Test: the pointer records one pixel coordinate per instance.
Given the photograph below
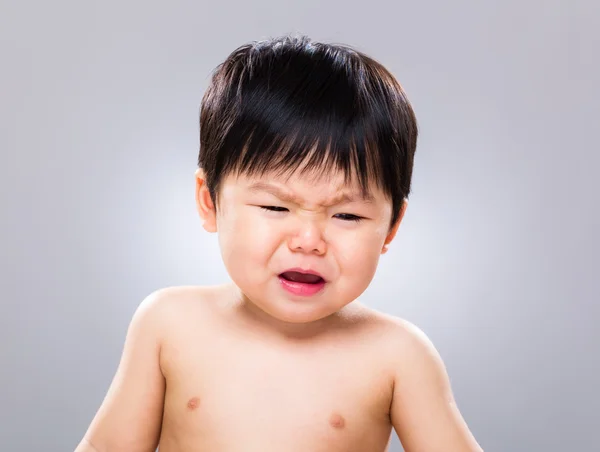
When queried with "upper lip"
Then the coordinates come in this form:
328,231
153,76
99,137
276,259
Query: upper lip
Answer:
303,270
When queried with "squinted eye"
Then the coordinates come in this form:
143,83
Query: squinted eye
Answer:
348,217
274,208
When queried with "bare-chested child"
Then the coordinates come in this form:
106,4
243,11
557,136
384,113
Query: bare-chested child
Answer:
306,156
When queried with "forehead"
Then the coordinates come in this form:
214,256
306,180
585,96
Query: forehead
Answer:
330,188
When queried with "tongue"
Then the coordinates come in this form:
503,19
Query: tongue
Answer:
301,277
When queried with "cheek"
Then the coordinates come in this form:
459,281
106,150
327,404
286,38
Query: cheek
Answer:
244,233
358,253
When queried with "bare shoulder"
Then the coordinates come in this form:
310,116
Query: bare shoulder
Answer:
179,296
406,353
178,303
169,313
400,339
185,315
423,409
129,417
398,346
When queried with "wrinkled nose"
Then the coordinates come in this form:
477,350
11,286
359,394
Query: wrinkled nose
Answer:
308,238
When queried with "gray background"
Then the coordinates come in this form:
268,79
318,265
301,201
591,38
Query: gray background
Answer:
497,260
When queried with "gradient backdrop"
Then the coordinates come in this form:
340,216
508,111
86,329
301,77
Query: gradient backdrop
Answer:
497,259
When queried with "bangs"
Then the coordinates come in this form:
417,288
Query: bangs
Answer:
315,153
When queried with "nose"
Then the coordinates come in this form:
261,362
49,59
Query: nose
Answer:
308,237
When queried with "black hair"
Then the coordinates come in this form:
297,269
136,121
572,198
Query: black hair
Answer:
287,103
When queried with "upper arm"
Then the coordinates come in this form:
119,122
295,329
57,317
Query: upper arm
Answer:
130,417
423,411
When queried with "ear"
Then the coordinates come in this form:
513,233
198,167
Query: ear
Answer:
204,203
394,229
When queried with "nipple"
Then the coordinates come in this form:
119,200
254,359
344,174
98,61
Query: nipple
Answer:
193,403
337,421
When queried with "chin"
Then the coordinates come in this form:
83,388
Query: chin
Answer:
296,311
302,317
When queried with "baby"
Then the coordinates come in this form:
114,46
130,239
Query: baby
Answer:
305,164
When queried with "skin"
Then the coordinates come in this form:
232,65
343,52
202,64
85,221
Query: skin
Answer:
248,366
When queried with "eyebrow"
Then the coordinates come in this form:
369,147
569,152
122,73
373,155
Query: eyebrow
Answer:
343,197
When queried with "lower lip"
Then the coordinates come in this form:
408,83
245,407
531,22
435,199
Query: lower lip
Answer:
302,289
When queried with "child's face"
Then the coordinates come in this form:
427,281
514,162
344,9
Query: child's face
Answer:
269,225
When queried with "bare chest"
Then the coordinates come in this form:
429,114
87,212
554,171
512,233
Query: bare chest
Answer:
231,397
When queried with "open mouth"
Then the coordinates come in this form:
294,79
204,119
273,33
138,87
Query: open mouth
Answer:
299,283
299,277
